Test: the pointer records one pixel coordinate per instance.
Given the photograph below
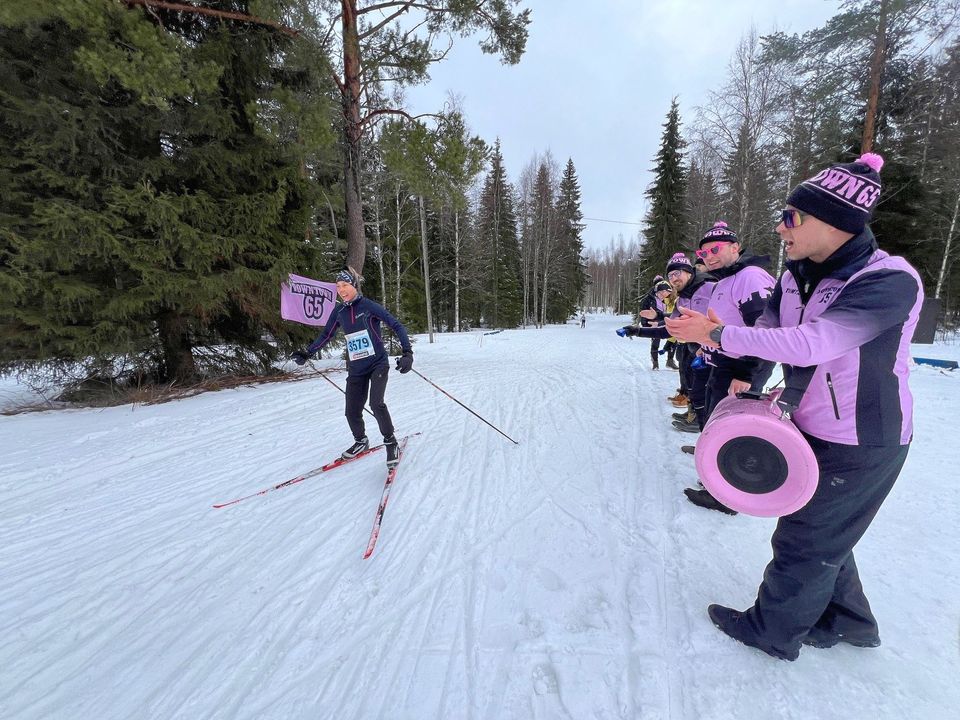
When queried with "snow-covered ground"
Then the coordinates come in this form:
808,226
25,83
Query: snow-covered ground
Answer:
565,577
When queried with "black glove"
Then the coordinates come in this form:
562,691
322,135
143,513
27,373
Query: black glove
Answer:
627,331
300,357
405,362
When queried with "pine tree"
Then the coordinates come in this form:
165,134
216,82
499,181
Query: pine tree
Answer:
377,48
665,228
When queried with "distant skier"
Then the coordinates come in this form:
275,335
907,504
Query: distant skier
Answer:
583,320
367,360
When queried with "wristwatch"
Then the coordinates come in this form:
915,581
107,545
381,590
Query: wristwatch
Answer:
715,335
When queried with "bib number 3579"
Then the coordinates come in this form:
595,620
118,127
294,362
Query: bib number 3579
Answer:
359,345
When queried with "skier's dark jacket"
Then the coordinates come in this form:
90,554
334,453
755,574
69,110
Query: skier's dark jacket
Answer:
354,316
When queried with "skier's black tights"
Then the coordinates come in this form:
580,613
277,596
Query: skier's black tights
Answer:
358,386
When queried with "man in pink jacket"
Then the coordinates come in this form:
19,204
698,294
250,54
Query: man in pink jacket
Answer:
850,309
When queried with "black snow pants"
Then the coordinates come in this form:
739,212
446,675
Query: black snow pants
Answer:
812,582
373,382
684,358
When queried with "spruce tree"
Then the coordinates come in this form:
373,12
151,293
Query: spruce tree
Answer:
702,200
501,301
664,232
572,278
161,165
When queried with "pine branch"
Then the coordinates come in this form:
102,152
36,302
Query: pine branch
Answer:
383,23
392,111
223,14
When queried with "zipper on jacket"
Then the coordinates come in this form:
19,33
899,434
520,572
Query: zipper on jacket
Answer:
833,397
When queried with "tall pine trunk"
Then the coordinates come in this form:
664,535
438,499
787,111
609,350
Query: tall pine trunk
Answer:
396,304
376,231
456,271
547,246
876,70
350,98
426,266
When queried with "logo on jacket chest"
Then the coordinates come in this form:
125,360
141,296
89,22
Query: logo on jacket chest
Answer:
825,295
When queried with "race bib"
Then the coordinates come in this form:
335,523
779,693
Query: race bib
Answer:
359,345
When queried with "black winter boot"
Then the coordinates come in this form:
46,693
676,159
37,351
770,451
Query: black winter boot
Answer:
821,639
704,499
687,427
732,623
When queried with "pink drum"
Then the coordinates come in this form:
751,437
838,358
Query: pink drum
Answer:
755,461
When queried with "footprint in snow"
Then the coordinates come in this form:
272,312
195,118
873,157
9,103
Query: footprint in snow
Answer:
547,704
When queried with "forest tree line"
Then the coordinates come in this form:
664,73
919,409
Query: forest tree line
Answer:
880,76
165,165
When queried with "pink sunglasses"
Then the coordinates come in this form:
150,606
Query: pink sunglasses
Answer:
715,250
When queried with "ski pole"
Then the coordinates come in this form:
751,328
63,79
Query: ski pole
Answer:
323,375
466,408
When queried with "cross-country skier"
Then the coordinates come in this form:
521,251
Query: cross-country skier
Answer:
367,360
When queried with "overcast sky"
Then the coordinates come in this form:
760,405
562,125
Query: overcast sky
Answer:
595,84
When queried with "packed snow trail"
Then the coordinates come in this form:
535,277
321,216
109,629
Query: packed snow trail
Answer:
564,577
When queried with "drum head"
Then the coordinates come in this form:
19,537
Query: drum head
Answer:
752,464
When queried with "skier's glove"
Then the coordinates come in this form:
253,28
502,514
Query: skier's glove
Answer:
300,357
405,362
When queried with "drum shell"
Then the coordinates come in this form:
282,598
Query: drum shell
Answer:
738,418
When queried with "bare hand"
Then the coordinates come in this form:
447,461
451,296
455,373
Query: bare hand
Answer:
648,314
737,386
694,327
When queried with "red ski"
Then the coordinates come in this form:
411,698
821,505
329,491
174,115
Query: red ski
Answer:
312,473
391,475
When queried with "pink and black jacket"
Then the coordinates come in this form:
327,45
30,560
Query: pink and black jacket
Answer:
852,316
362,314
739,299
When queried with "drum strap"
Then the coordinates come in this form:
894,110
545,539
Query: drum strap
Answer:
795,387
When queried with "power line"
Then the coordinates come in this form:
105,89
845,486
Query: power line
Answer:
619,222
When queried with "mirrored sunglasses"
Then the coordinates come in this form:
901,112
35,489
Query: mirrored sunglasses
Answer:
792,218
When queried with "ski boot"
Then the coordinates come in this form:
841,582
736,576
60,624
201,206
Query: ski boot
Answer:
358,447
393,451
